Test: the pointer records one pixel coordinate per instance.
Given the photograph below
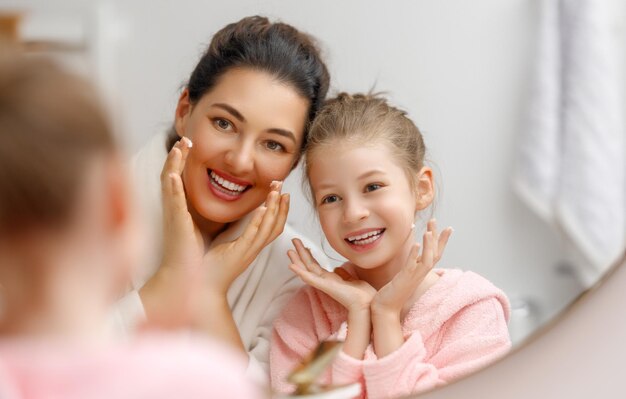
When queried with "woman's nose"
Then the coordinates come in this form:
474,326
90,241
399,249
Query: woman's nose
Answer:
354,210
240,157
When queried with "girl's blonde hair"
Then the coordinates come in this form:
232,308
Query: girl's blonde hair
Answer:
362,119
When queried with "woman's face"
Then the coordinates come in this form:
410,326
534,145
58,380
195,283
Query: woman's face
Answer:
246,132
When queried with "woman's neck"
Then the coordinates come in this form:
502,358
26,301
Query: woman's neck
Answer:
208,228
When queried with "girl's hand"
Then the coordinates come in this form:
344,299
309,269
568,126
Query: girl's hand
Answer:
392,297
355,295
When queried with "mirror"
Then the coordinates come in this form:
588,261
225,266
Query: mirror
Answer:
467,74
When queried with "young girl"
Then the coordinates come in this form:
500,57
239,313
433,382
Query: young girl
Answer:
68,238
406,327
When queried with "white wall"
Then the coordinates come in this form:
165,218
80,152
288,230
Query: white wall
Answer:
460,68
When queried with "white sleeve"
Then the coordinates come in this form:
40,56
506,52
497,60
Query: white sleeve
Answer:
127,314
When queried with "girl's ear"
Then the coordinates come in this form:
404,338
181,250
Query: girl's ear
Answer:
425,188
183,110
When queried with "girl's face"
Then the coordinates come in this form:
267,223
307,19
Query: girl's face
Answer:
365,203
246,132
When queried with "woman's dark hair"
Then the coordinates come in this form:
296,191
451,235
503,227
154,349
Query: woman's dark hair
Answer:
276,48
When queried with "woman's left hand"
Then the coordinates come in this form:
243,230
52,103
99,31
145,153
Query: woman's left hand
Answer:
225,262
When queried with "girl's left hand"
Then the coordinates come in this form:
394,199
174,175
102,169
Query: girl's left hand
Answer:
392,297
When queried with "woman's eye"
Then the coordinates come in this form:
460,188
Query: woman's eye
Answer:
274,146
372,187
223,124
329,199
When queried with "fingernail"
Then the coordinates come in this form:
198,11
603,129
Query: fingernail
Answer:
188,141
276,185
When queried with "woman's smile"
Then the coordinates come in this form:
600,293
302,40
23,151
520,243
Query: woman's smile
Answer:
226,187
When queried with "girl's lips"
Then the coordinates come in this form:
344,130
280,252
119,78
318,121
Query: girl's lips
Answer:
362,231
371,241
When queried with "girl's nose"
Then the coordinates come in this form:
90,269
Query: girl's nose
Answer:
354,211
240,157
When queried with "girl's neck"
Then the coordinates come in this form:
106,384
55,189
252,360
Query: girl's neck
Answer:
378,276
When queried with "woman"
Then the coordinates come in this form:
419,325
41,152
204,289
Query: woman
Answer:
246,108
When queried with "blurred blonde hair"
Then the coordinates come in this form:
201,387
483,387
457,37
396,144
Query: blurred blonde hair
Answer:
51,125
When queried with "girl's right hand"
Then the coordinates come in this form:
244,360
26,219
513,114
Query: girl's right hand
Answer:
355,295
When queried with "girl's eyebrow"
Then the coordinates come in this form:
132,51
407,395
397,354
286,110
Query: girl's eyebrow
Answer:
371,173
365,175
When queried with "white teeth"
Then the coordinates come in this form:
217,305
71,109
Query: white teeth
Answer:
366,238
229,185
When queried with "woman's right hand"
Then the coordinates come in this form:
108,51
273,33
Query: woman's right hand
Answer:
354,294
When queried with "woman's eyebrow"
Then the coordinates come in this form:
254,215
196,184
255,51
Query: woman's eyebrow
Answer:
231,111
284,133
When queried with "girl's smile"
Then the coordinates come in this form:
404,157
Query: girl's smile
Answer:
364,240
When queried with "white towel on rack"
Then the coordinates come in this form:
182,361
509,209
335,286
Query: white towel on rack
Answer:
572,168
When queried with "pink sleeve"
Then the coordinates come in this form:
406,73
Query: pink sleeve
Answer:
308,319
471,339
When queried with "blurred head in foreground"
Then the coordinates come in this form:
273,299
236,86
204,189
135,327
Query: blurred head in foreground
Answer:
67,236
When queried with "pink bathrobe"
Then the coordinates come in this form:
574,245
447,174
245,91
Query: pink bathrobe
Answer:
458,326
154,366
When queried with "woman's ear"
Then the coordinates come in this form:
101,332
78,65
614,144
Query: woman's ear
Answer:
425,188
183,110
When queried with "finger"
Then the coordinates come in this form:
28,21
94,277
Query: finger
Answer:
281,218
307,257
443,241
174,201
432,227
411,263
267,222
294,257
251,229
276,185
307,276
341,272
185,146
427,253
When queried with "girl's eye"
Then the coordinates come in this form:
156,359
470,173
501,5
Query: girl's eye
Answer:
223,124
274,146
372,187
329,199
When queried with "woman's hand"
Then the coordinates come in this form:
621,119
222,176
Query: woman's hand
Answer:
188,274
225,262
392,297
353,294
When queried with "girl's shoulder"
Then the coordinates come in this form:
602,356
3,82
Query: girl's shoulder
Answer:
455,291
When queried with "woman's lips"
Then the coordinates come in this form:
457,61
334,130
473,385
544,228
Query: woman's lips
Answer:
224,188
